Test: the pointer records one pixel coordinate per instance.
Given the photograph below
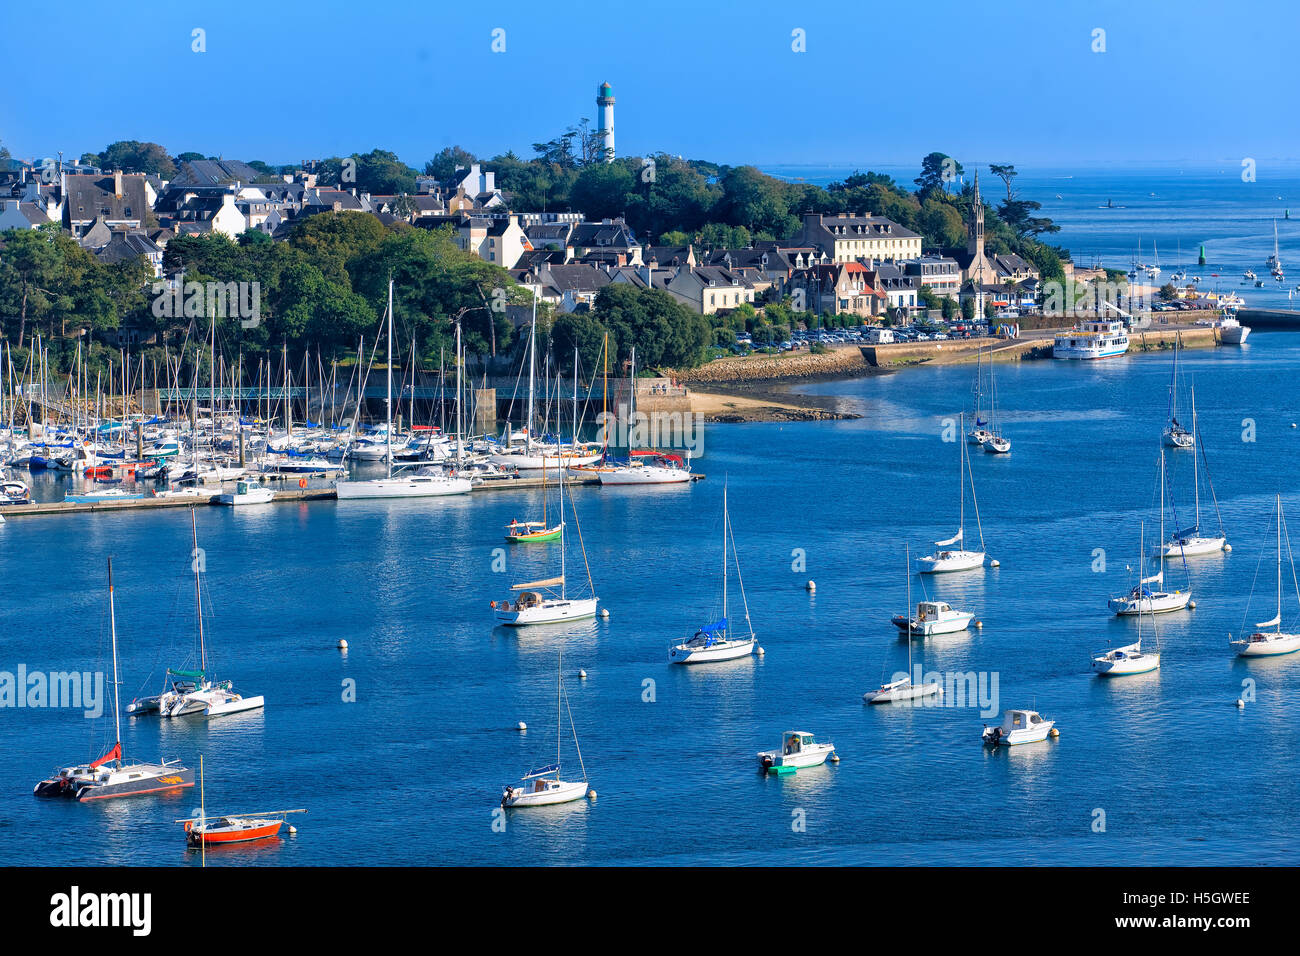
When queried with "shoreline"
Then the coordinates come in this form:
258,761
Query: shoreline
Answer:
762,389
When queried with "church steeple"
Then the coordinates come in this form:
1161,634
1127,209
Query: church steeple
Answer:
975,242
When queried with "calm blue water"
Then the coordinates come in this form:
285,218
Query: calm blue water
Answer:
1172,211
412,770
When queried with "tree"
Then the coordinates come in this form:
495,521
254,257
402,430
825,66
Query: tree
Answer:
580,330
1005,172
664,332
756,201
937,170
601,190
132,156
447,160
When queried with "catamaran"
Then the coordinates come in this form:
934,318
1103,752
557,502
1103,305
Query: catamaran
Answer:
1273,643
1149,596
194,692
111,776
949,558
547,601
1129,659
902,688
1192,541
426,482
545,785
714,642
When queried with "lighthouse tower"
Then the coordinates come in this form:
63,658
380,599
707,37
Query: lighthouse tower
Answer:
605,100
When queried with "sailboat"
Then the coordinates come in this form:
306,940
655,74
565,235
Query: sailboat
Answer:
194,692
540,602
1191,541
1273,643
1175,435
949,558
979,434
1149,597
714,642
902,688
536,532
997,443
1275,261
544,786
111,776
426,482
1129,659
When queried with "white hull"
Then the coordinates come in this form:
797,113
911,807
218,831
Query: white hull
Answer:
413,487
1161,602
1268,645
902,690
542,462
555,791
1234,335
644,475
1188,547
262,496
1123,664
1030,735
813,756
957,621
549,611
979,436
947,561
722,651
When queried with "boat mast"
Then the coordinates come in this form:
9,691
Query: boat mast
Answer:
1196,473
198,603
961,482
563,583
726,521
559,695
907,551
1279,556
117,705
388,402
528,425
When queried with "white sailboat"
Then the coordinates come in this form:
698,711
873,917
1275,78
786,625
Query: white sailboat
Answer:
1129,659
426,482
902,688
547,601
952,555
979,434
997,443
1192,541
715,642
1174,434
1149,596
194,692
1273,643
545,786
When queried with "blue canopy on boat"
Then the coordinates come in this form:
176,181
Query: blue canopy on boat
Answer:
542,771
714,628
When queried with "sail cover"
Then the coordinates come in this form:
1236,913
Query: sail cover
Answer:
715,627
955,539
546,583
1271,622
542,771
1157,578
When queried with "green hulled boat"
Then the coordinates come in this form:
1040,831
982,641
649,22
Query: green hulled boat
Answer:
532,532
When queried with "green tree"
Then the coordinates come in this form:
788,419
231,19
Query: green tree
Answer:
937,170
601,190
132,156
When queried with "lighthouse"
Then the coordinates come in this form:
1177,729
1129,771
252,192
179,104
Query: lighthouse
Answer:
605,101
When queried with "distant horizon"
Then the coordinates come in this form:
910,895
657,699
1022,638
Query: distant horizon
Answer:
1025,84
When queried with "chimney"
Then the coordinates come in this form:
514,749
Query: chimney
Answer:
117,184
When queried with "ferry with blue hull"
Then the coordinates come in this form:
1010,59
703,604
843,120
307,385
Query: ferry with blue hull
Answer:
1092,339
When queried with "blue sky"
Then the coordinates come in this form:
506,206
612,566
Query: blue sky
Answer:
879,83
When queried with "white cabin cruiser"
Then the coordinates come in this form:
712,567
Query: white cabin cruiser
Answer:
799,749
934,617
1019,727
247,493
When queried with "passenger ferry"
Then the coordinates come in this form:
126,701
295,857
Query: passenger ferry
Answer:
1092,339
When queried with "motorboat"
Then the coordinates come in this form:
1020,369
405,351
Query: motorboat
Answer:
799,750
934,617
1091,339
1019,727
247,493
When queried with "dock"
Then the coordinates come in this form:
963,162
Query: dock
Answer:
283,495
